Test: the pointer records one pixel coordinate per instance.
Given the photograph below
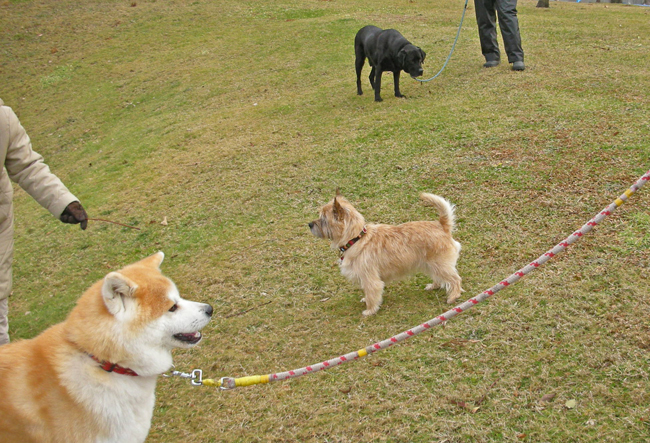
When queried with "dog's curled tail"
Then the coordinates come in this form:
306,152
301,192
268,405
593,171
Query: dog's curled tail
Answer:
445,209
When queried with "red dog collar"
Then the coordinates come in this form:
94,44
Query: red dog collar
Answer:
113,367
349,244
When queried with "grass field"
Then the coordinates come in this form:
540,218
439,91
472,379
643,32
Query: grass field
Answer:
235,121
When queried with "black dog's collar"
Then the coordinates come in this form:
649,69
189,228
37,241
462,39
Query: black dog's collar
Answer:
349,244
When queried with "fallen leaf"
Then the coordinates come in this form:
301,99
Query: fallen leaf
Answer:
547,397
462,404
570,404
345,390
521,436
456,342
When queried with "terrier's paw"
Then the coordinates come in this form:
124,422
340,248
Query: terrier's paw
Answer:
363,300
452,298
431,287
368,312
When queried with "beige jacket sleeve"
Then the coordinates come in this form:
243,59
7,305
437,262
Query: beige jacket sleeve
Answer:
27,168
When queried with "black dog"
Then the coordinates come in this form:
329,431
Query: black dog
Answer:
386,51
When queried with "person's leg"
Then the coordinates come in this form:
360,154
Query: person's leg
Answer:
4,322
487,30
6,255
509,25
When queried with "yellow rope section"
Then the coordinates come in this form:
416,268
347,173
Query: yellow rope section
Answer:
242,381
627,193
254,379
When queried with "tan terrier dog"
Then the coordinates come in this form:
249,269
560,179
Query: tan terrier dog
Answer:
372,255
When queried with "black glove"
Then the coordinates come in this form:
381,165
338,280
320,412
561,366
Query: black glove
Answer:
74,213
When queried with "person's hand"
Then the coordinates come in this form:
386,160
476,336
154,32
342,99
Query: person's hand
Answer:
74,213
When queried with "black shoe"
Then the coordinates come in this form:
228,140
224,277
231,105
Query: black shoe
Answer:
518,66
491,63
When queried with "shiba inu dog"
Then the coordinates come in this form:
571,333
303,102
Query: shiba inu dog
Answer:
92,378
372,255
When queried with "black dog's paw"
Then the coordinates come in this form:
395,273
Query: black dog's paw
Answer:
379,99
400,96
359,92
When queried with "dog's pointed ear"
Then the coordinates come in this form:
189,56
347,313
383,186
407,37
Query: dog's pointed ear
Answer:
154,261
401,56
423,54
337,209
115,290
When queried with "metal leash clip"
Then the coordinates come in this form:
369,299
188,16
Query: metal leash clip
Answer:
225,386
196,376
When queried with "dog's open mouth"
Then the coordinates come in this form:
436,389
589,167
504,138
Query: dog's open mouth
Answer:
191,337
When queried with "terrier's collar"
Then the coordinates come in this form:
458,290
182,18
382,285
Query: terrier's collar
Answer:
113,367
349,244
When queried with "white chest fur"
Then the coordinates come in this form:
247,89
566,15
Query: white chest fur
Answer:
121,405
347,270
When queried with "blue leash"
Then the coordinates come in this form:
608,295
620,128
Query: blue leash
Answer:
452,47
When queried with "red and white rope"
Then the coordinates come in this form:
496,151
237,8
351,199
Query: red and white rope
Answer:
229,383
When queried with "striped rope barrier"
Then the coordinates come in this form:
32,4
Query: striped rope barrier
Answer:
230,383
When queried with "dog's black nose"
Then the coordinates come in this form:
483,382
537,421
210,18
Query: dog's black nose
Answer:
311,225
208,310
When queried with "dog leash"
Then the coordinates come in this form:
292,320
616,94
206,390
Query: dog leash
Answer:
460,25
113,222
196,376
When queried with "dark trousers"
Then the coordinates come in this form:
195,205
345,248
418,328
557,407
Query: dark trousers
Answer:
486,17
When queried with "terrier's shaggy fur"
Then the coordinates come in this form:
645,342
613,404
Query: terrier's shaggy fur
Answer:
386,252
